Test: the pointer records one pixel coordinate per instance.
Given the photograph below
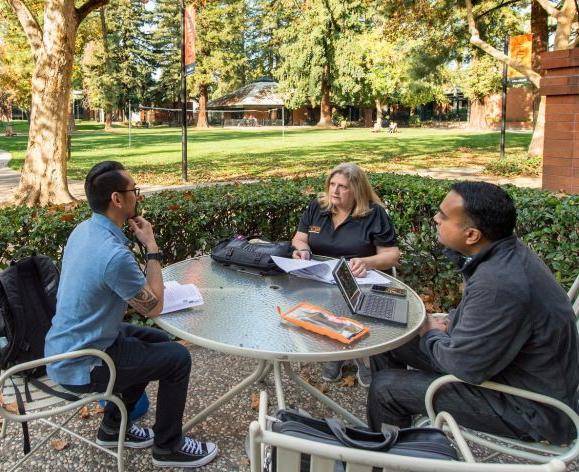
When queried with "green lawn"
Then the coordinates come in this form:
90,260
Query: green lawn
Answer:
226,154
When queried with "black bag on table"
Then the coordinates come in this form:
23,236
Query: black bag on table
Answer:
425,443
240,251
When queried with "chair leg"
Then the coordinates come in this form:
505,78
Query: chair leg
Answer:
4,428
124,420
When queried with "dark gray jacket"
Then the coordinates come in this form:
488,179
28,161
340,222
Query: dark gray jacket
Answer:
514,325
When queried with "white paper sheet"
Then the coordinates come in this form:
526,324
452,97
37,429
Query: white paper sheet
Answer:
178,296
322,271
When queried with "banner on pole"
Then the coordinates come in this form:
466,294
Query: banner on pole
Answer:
521,49
189,40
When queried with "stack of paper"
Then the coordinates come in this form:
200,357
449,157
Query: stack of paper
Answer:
178,297
322,271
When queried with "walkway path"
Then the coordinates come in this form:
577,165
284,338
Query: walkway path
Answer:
9,179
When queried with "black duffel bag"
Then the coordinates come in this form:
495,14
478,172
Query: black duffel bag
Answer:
425,443
257,254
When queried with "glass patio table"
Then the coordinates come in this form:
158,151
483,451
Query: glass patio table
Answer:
239,317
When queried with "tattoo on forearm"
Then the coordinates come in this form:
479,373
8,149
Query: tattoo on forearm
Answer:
144,301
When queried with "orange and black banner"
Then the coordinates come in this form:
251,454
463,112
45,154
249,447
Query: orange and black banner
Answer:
520,48
189,39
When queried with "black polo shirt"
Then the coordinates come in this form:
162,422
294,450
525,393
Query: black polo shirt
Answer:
355,237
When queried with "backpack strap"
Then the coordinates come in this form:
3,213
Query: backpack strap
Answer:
22,411
51,391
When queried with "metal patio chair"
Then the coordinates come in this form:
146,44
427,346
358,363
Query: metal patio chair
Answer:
45,405
324,457
535,451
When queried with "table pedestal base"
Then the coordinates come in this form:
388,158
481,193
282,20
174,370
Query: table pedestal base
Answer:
264,367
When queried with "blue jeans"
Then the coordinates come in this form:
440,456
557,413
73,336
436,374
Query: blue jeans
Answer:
142,355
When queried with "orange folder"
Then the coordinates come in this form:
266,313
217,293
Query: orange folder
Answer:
319,320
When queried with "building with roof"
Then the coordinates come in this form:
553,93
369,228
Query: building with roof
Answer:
254,104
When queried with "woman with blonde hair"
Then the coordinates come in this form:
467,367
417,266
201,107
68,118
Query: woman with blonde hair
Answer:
348,220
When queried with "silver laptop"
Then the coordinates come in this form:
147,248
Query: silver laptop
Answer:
378,306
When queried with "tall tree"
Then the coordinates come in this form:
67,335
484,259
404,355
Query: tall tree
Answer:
564,15
309,52
262,43
52,42
220,51
15,65
165,38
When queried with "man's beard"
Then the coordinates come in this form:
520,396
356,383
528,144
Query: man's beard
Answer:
136,211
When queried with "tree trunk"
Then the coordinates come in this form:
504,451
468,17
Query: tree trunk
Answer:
43,179
540,30
325,106
108,120
477,117
378,124
202,117
536,146
108,108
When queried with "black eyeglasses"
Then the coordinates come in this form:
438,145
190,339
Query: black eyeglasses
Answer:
137,191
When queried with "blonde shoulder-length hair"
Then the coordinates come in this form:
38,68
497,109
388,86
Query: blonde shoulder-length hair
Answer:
364,194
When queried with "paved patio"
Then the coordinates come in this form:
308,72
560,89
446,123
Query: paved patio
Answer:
213,373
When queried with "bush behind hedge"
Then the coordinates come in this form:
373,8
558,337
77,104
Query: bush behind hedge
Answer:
190,222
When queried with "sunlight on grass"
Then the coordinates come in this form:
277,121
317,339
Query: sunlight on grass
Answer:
216,154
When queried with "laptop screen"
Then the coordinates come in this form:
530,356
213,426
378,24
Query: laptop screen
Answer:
347,283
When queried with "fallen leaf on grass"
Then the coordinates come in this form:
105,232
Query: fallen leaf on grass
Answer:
254,401
349,381
58,444
244,461
98,409
84,413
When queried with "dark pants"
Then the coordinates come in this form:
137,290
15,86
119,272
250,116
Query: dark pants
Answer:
142,355
397,393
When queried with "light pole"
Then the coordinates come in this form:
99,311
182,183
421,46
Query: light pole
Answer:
504,104
183,98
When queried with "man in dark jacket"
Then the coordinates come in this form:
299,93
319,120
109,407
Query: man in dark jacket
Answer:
514,325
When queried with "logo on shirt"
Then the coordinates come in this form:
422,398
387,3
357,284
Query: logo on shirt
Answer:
314,229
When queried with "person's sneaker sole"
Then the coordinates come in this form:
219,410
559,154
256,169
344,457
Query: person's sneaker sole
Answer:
335,379
361,383
198,463
132,445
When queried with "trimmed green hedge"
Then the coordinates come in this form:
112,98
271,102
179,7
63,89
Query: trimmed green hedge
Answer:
191,222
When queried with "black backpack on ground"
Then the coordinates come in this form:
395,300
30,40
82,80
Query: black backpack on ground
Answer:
28,290
27,304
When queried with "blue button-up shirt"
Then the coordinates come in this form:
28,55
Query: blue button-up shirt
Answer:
99,274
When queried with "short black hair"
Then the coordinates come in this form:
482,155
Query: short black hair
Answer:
490,209
101,181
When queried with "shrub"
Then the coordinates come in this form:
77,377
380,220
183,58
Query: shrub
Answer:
414,120
192,222
515,166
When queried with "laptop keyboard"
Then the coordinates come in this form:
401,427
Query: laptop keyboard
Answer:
378,306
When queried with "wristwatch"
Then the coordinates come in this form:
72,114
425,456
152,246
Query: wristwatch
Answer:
154,256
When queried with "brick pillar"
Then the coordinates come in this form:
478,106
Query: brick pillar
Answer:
560,85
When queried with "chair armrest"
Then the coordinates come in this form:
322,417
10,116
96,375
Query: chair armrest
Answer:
58,357
445,417
518,392
262,410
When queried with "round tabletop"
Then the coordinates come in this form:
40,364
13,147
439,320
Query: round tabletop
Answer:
239,315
